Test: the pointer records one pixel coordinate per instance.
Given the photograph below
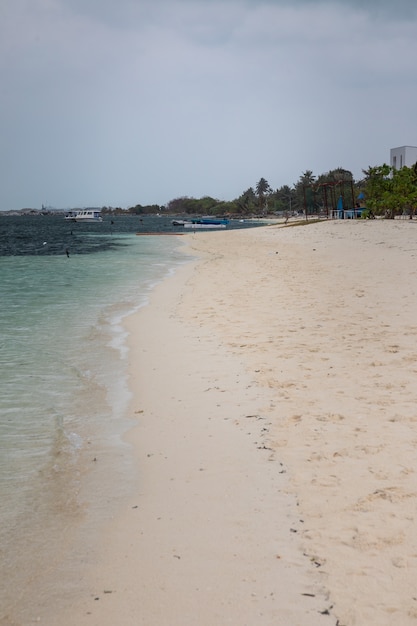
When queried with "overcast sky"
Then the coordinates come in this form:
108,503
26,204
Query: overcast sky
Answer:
125,102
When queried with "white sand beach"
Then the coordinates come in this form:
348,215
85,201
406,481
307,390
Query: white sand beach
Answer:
274,382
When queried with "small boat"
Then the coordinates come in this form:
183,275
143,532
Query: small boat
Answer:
86,215
206,222
178,222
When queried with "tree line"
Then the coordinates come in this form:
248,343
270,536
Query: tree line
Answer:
383,190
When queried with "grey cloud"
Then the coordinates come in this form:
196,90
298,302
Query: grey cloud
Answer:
122,11
142,101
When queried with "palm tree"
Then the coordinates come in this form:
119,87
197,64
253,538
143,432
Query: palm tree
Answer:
303,199
307,178
262,189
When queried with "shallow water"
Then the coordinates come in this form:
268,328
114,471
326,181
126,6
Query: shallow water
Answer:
64,466
64,390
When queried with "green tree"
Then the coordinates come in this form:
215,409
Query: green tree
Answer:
303,189
284,199
379,186
246,202
263,190
391,192
404,189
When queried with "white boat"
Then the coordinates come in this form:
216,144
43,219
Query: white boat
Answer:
197,225
206,222
85,215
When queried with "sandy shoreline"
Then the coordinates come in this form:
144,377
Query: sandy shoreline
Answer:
274,386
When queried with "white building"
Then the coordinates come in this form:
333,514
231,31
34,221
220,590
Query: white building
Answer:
405,155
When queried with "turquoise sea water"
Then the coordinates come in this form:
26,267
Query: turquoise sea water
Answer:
64,394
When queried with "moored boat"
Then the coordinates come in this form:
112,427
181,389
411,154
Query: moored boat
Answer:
85,215
206,222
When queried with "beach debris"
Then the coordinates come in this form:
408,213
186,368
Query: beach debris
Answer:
326,611
107,591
